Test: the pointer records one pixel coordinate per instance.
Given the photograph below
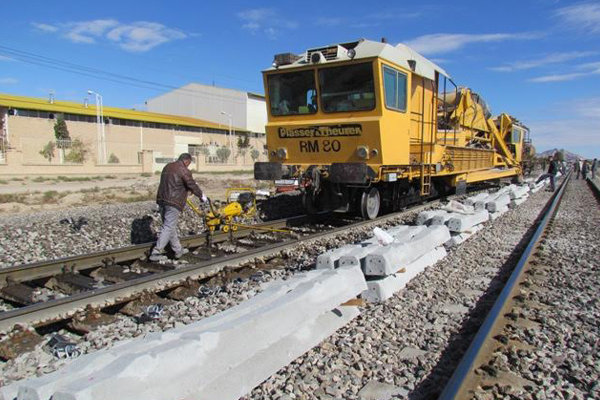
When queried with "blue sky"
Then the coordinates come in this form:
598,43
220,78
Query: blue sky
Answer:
538,60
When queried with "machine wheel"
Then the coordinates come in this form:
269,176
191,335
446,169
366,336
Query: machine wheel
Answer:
225,228
370,203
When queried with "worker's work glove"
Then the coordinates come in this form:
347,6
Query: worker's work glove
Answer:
204,199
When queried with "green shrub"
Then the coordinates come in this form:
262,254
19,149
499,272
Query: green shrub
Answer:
113,159
77,153
13,198
48,151
51,196
223,153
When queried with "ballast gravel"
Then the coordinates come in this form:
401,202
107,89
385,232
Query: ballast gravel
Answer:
411,344
215,296
406,346
56,234
554,331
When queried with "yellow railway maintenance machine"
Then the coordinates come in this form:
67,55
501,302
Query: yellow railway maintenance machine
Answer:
366,125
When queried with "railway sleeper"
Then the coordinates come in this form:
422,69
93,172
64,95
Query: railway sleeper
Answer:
19,341
188,289
116,274
71,283
140,305
18,293
89,320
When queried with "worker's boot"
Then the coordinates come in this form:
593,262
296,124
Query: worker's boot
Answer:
157,255
180,254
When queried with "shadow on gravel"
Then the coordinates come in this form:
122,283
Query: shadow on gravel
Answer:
431,387
141,230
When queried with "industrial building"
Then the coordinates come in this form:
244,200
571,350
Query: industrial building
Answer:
127,141
242,109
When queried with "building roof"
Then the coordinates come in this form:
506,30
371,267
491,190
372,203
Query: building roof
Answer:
70,107
364,49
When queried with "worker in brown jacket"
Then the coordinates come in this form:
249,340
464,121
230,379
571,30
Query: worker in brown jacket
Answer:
175,182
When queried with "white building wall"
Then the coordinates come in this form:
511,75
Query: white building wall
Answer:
257,115
208,103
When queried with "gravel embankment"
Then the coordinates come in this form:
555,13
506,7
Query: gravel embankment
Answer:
56,234
219,296
558,319
412,342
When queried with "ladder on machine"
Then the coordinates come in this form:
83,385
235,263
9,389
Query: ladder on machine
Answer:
426,156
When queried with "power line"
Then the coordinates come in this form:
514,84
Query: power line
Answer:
52,63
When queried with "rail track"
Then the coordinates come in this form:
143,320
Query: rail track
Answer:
88,284
474,371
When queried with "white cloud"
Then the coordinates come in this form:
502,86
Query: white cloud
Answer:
587,70
590,65
366,21
553,58
382,16
88,31
265,20
573,127
6,58
586,108
564,133
583,16
44,27
143,36
8,81
557,77
137,36
438,43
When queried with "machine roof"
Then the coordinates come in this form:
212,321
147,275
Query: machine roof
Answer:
32,103
399,54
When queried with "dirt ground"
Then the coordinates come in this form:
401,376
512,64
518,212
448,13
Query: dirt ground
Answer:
23,195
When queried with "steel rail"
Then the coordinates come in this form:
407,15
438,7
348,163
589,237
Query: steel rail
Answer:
464,375
46,269
594,185
40,314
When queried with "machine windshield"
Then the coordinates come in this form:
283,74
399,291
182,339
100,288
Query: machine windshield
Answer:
292,93
347,88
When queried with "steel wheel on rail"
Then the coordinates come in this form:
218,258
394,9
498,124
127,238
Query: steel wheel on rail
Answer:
370,203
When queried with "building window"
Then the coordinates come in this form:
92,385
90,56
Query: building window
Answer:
394,83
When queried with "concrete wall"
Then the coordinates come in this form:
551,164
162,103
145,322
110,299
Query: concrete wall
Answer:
28,135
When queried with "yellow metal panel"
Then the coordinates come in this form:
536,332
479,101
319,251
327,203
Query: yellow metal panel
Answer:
489,174
395,124
325,141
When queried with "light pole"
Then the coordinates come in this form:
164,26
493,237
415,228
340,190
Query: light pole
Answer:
100,121
230,131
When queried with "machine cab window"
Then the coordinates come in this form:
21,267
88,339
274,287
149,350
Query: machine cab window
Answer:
516,136
347,88
292,93
395,89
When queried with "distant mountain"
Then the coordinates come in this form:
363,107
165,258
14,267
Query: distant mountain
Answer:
568,155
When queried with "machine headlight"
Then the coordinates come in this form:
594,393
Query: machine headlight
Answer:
374,153
362,152
351,53
282,153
